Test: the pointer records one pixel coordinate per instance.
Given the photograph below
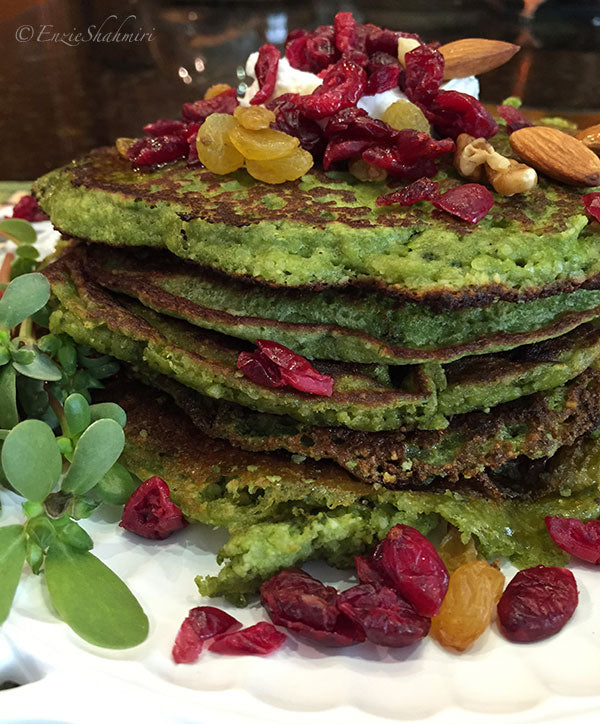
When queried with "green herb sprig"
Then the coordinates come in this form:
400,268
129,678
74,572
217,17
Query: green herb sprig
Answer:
59,452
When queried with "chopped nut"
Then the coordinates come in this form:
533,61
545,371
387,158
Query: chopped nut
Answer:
364,171
591,137
472,154
515,179
405,45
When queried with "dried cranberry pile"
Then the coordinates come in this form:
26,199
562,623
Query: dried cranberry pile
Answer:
403,584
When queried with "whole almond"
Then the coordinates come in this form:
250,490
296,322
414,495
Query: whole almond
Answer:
591,137
558,155
472,56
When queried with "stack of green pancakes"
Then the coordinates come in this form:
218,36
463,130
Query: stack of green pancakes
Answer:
465,358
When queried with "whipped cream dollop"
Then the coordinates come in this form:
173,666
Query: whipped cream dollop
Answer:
292,80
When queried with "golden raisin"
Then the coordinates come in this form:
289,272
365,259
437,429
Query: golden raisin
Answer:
123,144
215,90
454,552
254,118
214,149
469,605
404,114
364,171
264,145
279,170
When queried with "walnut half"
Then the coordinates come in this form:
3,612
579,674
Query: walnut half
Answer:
516,179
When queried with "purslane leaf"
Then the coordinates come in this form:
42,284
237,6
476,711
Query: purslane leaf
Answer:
40,368
97,450
77,412
13,550
19,230
31,459
9,416
110,410
24,296
93,600
116,486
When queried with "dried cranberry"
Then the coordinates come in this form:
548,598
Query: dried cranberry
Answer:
202,623
470,202
514,118
387,619
290,120
266,73
537,603
321,52
199,111
421,190
150,513
192,159
258,640
414,145
424,68
414,567
392,161
382,79
257,367
155,150
166,127
307,607
368,571
354,123
342,150
385,41
296,370
28,208
296,51
343,84
454,113
580,539
592,204
345,31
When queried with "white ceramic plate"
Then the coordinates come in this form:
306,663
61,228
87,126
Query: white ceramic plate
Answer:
557,680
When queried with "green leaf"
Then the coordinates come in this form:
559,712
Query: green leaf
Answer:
23,355
13,550
31,459
116,486
93,600
109,410
20,267
67,358
75,536
23,296
41,368
97,450
9,416
4,355
41,530
32,397
49,343
19,230
27,251
77,412
35,556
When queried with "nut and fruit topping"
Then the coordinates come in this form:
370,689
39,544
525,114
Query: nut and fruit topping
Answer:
150,513
202,623
469,605
557,154
590,137
364,171
215,150
454,551
580,539
215,90
404,114
405,45
473,56
254,118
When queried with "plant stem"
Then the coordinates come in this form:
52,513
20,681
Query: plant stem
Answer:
60,414
26,331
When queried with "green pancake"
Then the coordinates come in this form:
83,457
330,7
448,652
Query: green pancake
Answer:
325,230
535,427
365,397
281,513
353,325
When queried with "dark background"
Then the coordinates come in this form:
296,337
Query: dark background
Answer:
57,100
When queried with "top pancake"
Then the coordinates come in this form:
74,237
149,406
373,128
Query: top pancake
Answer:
325,230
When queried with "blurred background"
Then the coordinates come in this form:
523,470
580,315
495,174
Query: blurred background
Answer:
63,93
